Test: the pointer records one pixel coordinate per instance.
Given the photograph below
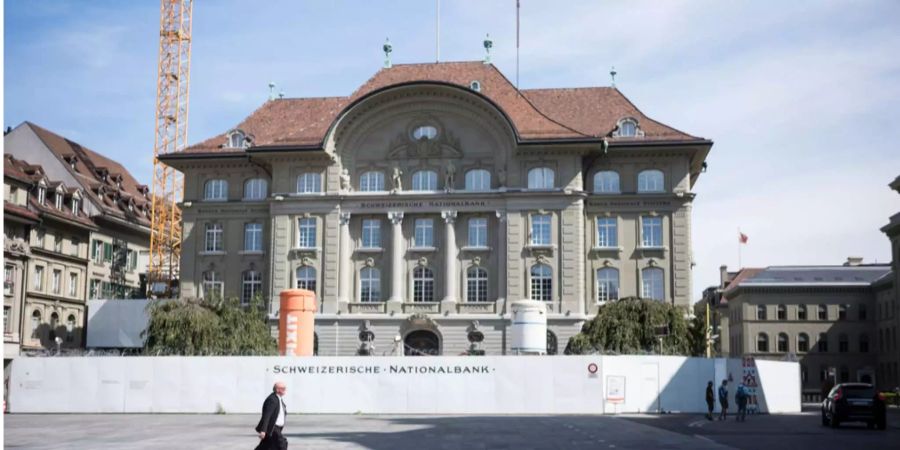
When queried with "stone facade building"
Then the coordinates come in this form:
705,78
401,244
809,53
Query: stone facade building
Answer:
76,228
423,203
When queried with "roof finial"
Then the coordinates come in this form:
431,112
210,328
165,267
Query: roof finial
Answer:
271,90
612,75
488,43
281,95
387,53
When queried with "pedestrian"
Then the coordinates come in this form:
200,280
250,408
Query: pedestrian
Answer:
741,397
272,421
723,400
710,400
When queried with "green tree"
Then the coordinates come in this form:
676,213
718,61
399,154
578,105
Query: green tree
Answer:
631,325
208,327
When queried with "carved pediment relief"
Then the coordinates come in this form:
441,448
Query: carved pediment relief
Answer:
413,143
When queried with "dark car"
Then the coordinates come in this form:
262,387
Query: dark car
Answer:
854,402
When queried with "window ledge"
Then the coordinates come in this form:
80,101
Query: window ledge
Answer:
250,252
305,249
607,249
422,249
476,248
212,253
306,194
369,249
214,200
258,200
655,248
540,247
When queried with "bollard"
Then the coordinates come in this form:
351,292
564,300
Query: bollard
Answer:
296,321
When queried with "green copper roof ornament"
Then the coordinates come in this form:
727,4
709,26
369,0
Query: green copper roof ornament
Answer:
612,75
387,53
488,43
271,90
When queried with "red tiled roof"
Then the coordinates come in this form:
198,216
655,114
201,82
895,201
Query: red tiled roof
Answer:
87,165
536,114
742,275
21,211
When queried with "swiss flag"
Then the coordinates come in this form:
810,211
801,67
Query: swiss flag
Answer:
743,238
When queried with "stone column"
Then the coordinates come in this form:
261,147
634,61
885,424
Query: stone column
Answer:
397,269
345,266
448,304
501,275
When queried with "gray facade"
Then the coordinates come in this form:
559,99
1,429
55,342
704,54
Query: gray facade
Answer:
476,217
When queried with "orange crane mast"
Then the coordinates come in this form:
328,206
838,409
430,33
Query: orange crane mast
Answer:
172,88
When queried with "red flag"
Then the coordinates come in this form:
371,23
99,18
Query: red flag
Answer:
742,238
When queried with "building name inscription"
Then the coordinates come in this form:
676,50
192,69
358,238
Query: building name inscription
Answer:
363,369
424,204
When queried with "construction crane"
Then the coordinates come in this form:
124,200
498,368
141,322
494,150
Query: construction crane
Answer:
173,82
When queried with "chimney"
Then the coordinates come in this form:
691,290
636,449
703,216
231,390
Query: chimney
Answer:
853,261
723,275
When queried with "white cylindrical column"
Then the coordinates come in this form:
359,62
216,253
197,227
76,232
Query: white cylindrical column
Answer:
345,290
450,275
501,261
397,270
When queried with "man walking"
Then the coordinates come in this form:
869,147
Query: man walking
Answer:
710,400
740,397
723,400
272,421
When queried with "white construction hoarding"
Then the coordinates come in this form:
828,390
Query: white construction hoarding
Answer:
388,385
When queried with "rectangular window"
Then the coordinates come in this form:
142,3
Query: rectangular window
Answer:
424,233
607,234
253,237
370,285
371,182
107,252
9,279
371,233
252,285
6,311
97,251
540,229
75,244
95,288
41,237
306,232
651,231
73,285
309,183
478,232
57,243
213,286
214,234
56,282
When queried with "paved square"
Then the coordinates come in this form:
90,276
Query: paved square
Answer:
168,431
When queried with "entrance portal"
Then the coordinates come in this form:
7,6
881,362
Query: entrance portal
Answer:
421,343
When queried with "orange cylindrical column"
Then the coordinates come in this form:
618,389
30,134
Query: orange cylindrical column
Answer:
296,321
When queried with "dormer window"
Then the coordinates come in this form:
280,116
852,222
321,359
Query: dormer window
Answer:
59,200
76,205
475,86
41,194
237,139
628,127
426,132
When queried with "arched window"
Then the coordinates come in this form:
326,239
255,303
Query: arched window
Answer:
823,343
35,324
606,182
627,128
54,324
475,86
651,181
863,343
306,278
782,342
423,284
236,140
803,343
309,182
426,132
371,181
801,312
424,180
762,343
781,312
255,189
607,284
251,286
541,283
540,178
823,312
369,285
843,343
478,180
476,284
215,190
652,284
70,328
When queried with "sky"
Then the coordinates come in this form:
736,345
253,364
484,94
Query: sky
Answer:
799,97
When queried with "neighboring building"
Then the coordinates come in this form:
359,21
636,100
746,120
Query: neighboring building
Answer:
434,194
46,235
115,202
840,322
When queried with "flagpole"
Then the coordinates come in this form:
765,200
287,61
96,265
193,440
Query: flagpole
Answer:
517,44
437,32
